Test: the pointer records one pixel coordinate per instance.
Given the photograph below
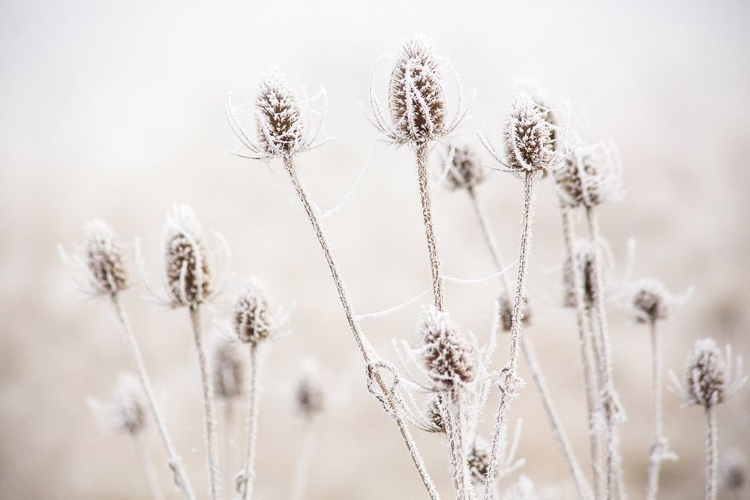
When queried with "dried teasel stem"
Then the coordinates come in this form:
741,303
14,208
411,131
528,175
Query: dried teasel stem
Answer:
613,467
587,345
712,453
303,460
558,431
148,468
424,192
209,410
459,429
658,443
175,463
358,337
510,380
246,486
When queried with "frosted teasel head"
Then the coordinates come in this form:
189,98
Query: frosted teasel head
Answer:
417,97
254,322
505,311
709,376
584,259
478,459
101,269
126,411
735,471
308,394
433,417
285,125
652,301
541,96
591,174
228,369
462,164
447,356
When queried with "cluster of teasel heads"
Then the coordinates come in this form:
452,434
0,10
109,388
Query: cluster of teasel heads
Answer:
447,375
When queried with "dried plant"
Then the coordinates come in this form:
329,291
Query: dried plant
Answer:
734,471
309,402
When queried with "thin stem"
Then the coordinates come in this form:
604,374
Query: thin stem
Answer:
585,342
303,461
450,435
510,380
461,466
252,425
424,192
489,239
173,459
609,400
658,443
229,429
147,467
209,411
367,351
712,453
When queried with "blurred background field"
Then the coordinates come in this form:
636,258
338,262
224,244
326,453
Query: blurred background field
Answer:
116,111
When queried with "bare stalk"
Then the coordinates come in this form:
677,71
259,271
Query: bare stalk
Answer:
509,378
558,431
303,461
613,467
228,433
712,453
148,469
658,441
586,343
424,191
461,471
367,352
252,425
173,459
209,411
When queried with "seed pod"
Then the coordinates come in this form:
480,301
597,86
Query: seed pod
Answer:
228,371
416,96
104,258
186,270
506,311
277,116
447,356
589,176
705,374
252,320
129,410
309,396
466,169
478,459
529,137
652,302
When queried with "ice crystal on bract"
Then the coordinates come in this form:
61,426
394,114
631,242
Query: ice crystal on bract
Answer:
186,270
590,175
253,322
309,396
447,356
529,137
228,370
465,168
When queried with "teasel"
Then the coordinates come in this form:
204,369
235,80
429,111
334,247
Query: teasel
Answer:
309,400
275,84
590,175
709,381
105,273
734,471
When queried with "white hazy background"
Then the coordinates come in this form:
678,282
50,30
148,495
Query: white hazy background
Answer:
115,110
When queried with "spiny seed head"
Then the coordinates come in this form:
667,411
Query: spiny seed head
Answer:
466,168
416,96
309,396
529,137
505,310
433,416
104,258
589,176
129,410
447,356
652,302
186,270
540,95
478,459
252,319
705,374
734,470
278,116
584,258
228,371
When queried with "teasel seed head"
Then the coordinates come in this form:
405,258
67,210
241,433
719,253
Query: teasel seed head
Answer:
505,310
186,270
590,175
734,471
416,95
705,374
466,170
253,322
104,259
228,370
529,137
478,459
129,409
584,259
652,302
447,356
540,95
309,396
433,416
278,116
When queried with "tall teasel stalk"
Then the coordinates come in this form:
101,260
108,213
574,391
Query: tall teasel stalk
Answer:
466,172
530,151
105,274
309,400
709,381
281,134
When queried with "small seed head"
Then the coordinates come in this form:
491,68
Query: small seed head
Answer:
309,396
589,176
506,311
416,96
129,410
433,415
186,270
228,371
278,116
734,471
705,374
652,302
466,169
104,258
478,459
529,137
252,319
447,356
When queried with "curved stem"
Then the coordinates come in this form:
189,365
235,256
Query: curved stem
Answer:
252,425
424,192
175,463
368,353
148,469
712,454
209,411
